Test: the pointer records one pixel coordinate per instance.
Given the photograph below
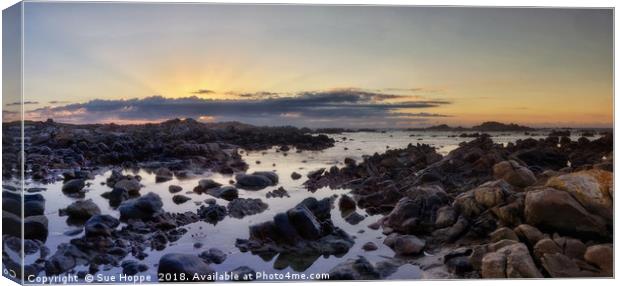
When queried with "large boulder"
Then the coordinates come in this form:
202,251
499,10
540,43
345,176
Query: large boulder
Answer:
141,208
511,261
593,189
513,173
417,212
556,210
185,264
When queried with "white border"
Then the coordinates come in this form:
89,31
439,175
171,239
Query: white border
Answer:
535,3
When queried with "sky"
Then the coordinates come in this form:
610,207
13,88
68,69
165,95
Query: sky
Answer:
317,66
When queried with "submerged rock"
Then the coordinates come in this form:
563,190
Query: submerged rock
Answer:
241,207
213,255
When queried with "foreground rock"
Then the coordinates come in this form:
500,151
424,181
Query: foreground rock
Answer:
512,261
301,235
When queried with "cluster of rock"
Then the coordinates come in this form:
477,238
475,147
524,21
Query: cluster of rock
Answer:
298,236
174,144
512,211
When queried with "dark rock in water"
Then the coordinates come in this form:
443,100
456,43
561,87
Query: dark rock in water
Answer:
179,199
33,204
316,173
212,213
141,208
354,218
301,235
65,259
100,226
206,184
369,246
346,204
35,227
117,196
132,267
416,213
241,207
174,188
163,175
73,186
273,177
295,176
213,255
11,224
228,193
80,210
132,186
405,244
278,193
243,273
305,222
187,264
257,180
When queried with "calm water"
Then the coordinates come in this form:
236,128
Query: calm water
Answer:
223,234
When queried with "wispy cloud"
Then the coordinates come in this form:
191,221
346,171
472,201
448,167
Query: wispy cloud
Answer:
203,91
24,103
348,107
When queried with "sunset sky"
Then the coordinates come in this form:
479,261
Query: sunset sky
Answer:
317,66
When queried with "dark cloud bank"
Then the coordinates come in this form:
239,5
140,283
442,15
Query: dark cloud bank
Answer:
342,108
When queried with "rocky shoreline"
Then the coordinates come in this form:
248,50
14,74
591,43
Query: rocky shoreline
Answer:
535,208
529,209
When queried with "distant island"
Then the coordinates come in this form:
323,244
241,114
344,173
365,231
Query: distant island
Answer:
485,126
